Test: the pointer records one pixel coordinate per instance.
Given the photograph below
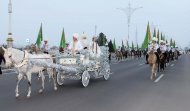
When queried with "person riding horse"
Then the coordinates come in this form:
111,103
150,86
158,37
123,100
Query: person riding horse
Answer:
162,54
154,46
153,58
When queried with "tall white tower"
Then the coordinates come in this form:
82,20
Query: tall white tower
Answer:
10,39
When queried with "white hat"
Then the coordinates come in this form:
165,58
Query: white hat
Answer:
161,41
84,36
167,44
76,35
154,39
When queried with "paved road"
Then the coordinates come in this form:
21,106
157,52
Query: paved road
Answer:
129,89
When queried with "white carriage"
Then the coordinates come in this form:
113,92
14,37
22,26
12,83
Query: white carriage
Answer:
82,67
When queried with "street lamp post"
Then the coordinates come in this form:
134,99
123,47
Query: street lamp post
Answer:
10,39
129,11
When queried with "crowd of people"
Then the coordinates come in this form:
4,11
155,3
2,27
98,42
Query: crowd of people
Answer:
77,45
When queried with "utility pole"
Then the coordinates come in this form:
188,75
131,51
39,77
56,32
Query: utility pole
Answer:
129,12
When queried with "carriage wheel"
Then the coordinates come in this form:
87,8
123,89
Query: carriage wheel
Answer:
85,78
60,79
107,74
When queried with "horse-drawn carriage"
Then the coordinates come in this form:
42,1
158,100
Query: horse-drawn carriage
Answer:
82,67
59,66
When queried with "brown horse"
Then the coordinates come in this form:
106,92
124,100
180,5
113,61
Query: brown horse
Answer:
119,55
152,60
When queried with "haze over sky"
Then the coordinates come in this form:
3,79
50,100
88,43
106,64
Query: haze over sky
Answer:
172,17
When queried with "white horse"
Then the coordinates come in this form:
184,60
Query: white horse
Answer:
20,60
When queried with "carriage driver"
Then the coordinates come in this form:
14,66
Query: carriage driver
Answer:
75,46
94,48
45,47
154,47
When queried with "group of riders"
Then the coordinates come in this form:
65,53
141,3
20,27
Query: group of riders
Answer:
163,51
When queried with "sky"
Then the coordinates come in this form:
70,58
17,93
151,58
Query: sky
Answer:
171,17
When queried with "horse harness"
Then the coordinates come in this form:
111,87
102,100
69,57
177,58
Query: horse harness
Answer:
23,62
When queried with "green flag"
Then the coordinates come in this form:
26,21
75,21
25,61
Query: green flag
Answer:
132,45
164,38
161,36
137,46
63,41
171,42
40,37
154,35
114,45
127,44
122,45
174,44
158,36
147,37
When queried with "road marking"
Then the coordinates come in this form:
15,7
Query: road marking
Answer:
159,78
11,73
172,65
4,70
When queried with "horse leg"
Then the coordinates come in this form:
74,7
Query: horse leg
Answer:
155,71
42,78
29,77
53,75
152,72
158,69
19,78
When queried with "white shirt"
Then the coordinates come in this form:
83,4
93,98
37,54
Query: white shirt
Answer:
84,43
173,49
162,48
77,47
153,47
45,47
167,48
93,51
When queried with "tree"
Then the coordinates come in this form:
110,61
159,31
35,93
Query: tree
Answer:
111,48
102,40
